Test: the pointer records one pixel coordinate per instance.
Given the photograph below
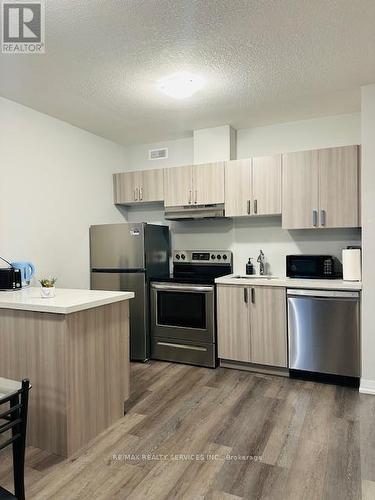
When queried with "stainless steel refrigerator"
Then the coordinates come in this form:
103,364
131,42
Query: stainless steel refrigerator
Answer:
126,257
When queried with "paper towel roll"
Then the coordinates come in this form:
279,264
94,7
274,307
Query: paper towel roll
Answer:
351,264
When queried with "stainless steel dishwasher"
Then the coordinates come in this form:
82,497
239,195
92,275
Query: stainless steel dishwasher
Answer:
323,331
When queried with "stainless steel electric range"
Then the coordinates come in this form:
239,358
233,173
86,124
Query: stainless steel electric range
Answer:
183,308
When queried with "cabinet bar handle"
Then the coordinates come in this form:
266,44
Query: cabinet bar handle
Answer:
245,295
315,218
253,295
196,196
255,206
322,217
248,207
141,194
136,194
190,193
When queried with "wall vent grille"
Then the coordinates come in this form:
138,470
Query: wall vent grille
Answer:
158,154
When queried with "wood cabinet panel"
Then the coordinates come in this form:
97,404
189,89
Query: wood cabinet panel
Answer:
178,189
268,326
139,186
237,187
300,200
339,187
233,323
125,187
266,185
208,183
151,185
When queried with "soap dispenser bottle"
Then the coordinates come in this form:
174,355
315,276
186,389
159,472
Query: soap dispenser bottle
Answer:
250,267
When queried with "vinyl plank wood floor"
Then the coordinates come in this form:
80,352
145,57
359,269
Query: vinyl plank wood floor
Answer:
201,434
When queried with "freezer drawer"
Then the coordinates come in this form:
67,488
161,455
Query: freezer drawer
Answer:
178,351
139,324
323,331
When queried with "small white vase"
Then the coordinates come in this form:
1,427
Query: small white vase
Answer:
47,292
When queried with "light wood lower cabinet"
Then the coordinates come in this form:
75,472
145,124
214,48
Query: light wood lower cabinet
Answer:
252,324
268,326
233,323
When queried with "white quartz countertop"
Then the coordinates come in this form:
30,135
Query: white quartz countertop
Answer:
66,301
313,284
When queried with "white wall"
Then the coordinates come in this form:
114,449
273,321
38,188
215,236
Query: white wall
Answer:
55,181
180,153
245,237
330,131
368,223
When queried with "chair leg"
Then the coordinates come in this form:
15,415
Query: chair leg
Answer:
18,456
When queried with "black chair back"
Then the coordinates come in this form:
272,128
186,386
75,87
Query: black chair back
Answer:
13,420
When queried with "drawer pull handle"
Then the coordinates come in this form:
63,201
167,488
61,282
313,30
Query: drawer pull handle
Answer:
315,218
182,346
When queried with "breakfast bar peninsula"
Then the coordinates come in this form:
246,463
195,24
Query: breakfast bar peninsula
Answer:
74,348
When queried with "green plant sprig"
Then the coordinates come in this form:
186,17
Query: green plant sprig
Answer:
48,282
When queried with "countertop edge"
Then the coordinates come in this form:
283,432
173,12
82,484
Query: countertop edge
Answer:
52,309
291,283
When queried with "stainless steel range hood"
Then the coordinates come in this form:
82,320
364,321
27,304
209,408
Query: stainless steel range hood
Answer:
190,212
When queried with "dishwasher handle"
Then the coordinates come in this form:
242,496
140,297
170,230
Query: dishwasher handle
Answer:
329,294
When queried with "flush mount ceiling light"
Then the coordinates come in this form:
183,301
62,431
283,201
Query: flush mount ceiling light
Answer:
181,85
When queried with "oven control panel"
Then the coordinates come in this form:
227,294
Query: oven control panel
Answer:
203,256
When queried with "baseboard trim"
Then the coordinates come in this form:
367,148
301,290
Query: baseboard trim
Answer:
252,367
367,386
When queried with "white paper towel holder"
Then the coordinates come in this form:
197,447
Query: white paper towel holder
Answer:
351,264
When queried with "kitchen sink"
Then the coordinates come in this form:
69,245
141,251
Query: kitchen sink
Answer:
250,277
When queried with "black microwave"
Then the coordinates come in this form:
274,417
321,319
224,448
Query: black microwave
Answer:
313,266
10,279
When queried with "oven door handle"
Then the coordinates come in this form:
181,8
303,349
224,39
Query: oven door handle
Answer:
181,288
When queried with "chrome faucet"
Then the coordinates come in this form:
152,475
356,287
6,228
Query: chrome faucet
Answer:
261,259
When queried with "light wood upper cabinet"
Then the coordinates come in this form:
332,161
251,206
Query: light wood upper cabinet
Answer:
252,324
321,188
266,193
300,199
339,187
126,187
233,323
208,183
178,186
194,185
139,186
268,326
237,187
152,185
253,186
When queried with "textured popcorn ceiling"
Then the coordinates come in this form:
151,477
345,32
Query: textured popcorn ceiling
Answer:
265,61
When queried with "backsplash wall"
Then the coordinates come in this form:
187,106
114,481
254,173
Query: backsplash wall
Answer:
245,237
